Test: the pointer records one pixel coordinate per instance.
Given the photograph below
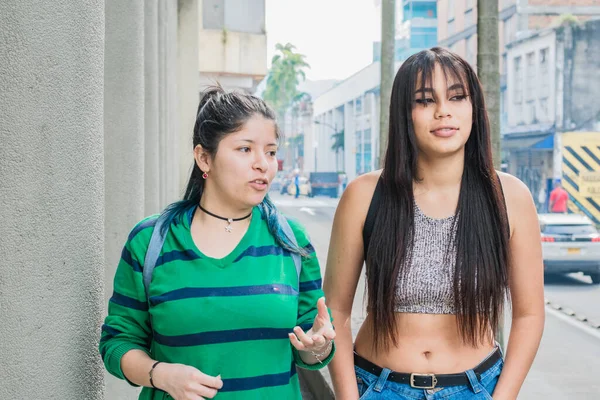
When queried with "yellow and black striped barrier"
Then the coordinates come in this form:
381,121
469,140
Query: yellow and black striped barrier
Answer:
581,172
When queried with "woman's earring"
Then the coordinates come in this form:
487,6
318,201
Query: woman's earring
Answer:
205,175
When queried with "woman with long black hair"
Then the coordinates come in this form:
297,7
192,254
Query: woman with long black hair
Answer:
446,240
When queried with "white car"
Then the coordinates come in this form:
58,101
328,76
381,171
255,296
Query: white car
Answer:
570,243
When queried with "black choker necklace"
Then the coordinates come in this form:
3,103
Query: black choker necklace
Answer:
229,220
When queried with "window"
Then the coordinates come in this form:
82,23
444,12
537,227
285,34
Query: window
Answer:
544,76
450,28
213,14
518,87
367,105
471,50
358,106
234,15
470,4
544,109
450,9
530,72
469,18
508,31
530,108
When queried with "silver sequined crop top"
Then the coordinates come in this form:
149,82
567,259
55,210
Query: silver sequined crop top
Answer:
426,283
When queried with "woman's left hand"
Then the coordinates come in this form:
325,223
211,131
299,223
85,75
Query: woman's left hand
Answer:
318,338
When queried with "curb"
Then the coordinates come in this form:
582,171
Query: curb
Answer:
567,311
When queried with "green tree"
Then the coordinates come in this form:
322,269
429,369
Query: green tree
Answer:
287,71
338,141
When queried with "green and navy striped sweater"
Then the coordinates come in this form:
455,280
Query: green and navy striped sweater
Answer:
228,316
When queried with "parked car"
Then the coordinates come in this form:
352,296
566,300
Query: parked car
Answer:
570,243
276,184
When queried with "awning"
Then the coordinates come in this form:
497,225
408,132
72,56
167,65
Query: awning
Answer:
535,138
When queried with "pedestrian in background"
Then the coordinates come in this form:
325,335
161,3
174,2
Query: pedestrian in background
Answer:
297,183
226,311
559,198
445,238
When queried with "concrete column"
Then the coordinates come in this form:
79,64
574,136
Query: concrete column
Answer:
350,140
51,199
162,103
188,85
172,106
168,139
123,140
151,120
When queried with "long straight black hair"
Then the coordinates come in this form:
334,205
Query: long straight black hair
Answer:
219,114
482,232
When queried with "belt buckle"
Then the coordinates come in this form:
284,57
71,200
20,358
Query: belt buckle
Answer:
433,381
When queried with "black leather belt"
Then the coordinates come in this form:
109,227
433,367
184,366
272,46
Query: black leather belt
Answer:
429,381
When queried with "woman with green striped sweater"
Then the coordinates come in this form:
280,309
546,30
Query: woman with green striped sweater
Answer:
226,315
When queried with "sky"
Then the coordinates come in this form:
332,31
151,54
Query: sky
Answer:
335,35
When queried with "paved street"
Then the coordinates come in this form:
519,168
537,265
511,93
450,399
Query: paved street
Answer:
568,361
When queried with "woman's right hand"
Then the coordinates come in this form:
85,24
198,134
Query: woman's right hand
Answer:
183,382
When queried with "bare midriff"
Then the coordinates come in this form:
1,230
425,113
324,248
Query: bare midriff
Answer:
426,343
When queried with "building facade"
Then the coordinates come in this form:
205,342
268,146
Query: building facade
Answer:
233,33
416,28
553,119
352,106
457,29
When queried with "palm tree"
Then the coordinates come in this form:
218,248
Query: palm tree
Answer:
287,70
338,141
338,144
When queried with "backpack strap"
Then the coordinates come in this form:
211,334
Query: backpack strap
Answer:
287,230
154,247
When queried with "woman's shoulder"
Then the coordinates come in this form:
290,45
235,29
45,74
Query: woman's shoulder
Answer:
357,197
361,189
517,197
144,228
514,189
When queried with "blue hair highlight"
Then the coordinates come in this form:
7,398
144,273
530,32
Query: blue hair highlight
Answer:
271,215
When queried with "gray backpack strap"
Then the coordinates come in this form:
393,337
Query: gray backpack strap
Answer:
154,247
287,229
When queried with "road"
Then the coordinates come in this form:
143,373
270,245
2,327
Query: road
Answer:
568,362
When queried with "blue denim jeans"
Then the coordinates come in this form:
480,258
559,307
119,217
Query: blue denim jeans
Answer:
371,387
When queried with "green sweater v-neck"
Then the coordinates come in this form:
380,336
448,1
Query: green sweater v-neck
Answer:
228,316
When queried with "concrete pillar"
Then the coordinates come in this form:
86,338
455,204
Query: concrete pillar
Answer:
172,106
188,85
51,199
162,103
123,141
350,140
167,72
151,120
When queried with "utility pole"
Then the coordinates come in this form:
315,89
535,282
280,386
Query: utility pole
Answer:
488,71
388,56
488,68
